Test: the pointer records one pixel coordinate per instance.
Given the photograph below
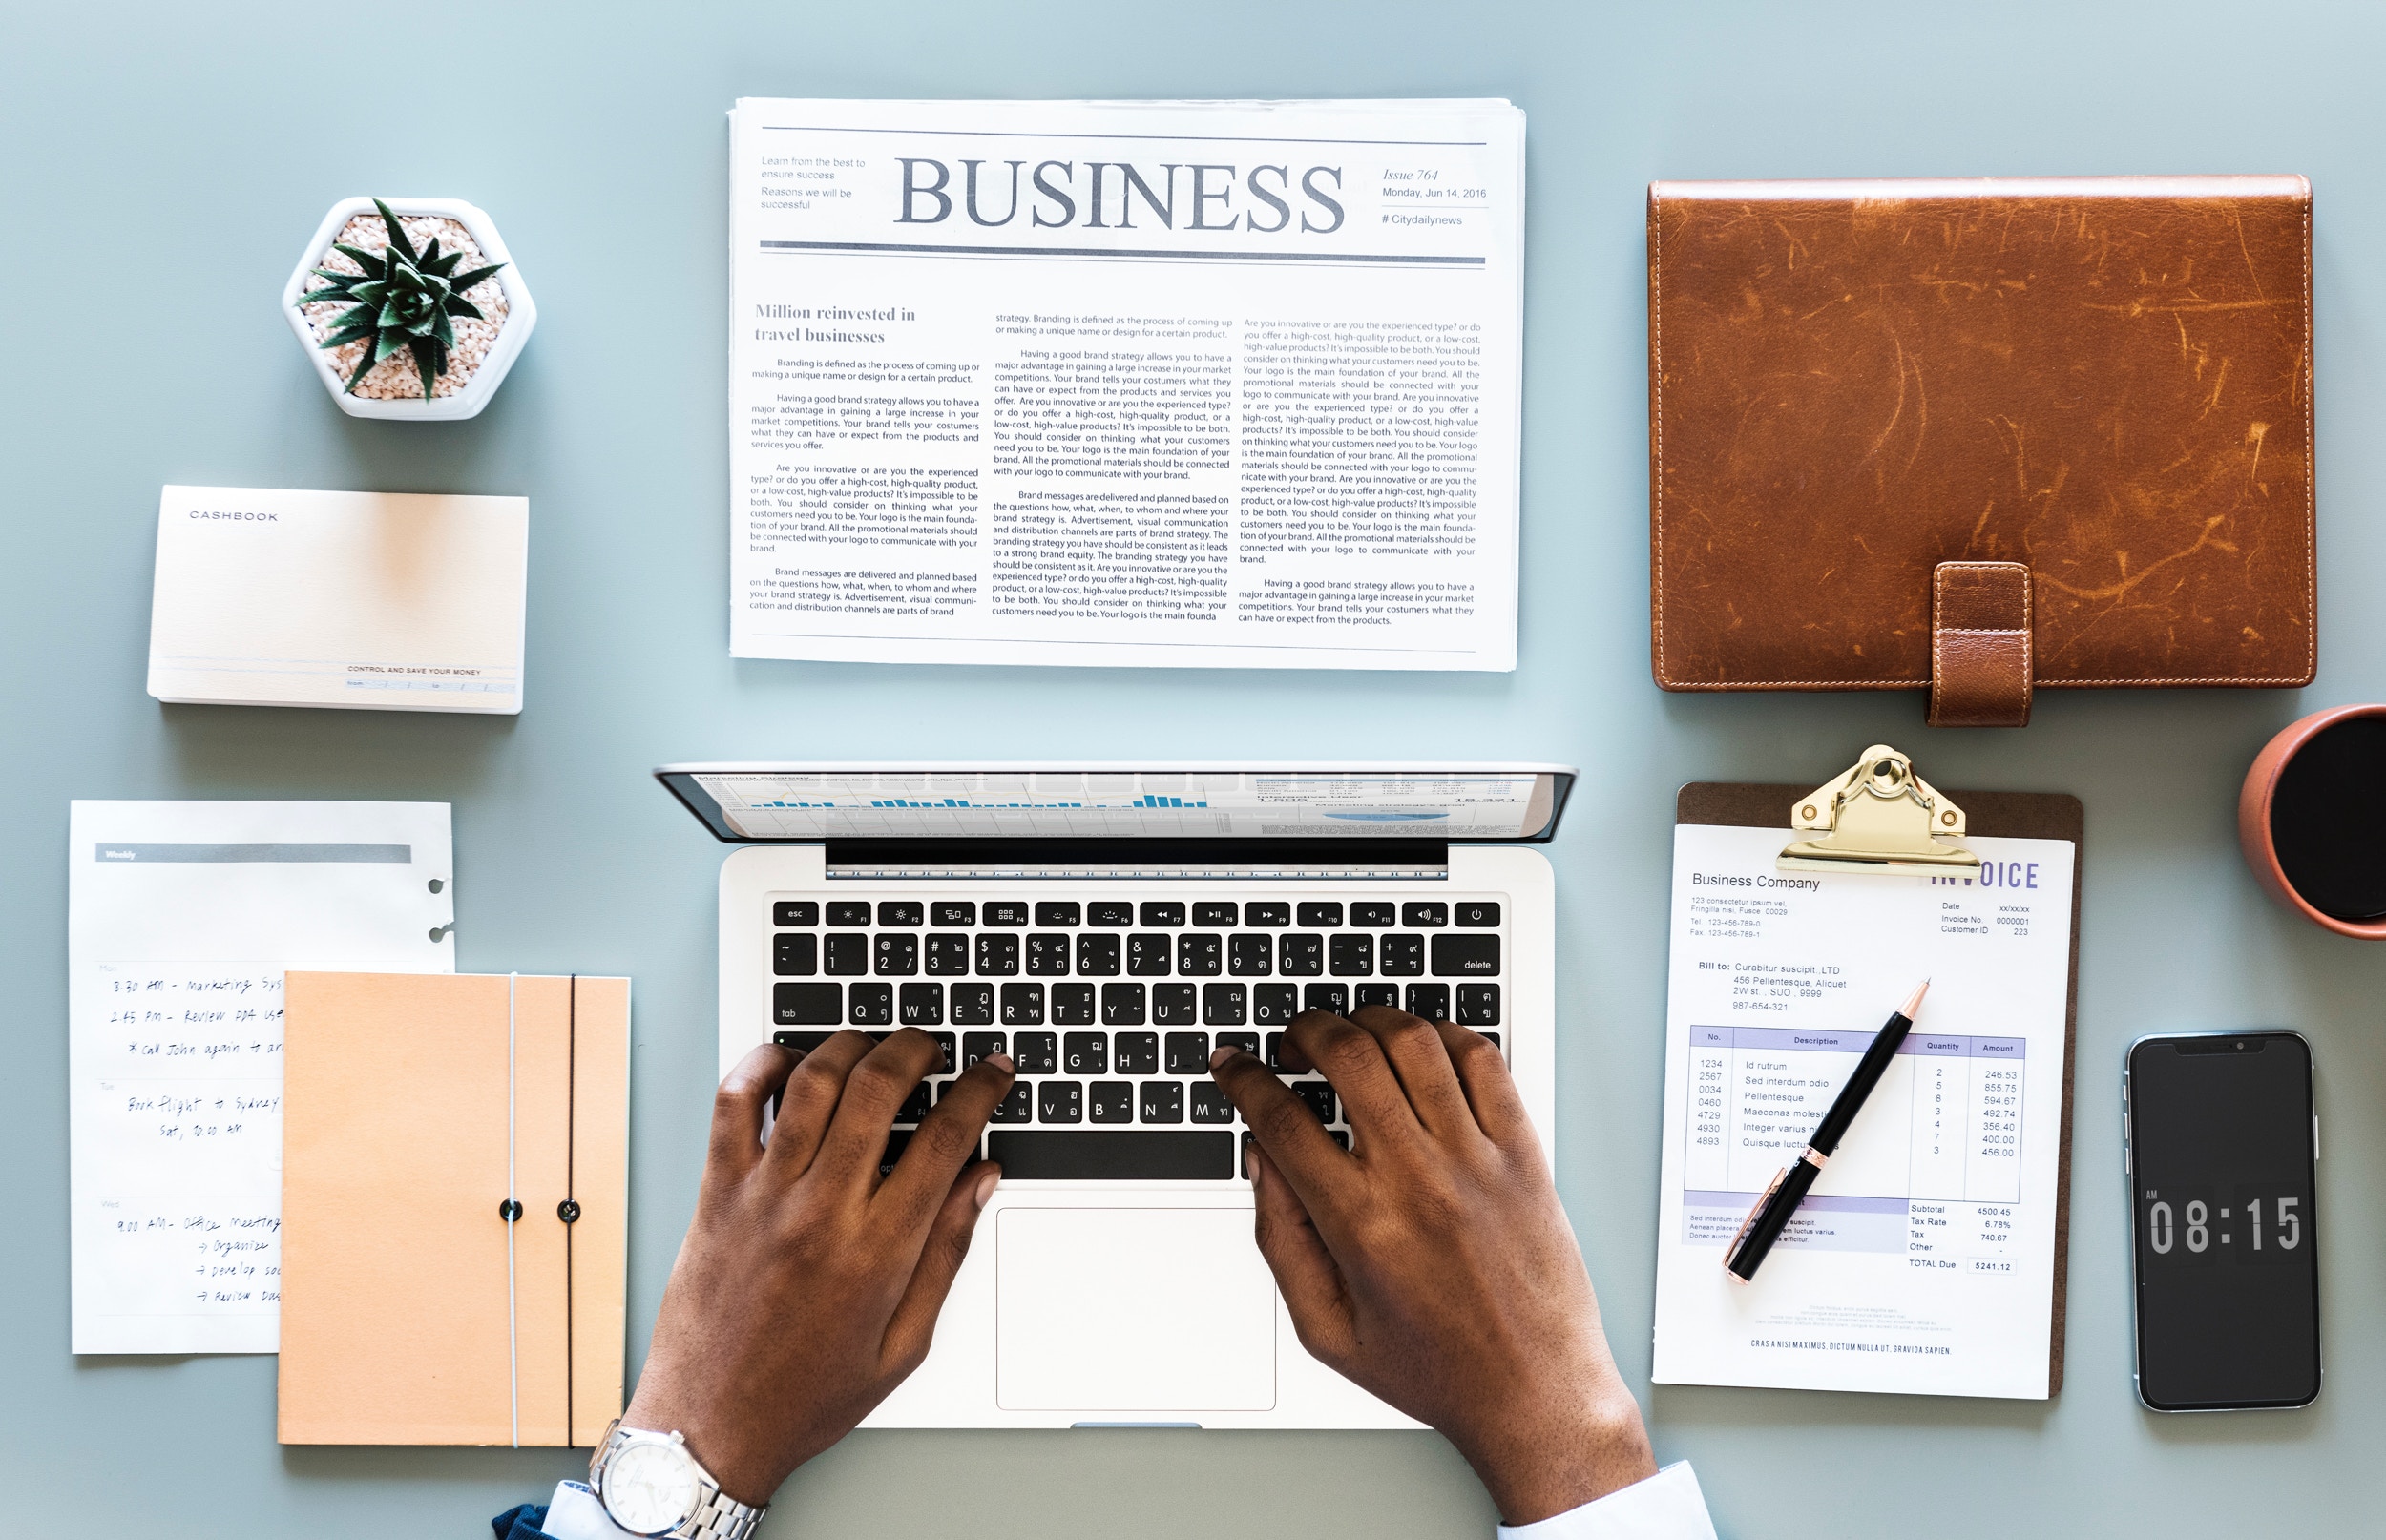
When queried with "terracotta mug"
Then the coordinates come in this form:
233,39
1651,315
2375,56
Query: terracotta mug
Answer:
2300,811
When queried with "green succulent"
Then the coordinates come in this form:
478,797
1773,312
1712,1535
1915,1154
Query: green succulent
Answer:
403,298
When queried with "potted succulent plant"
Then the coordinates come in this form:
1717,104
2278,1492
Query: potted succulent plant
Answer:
412,308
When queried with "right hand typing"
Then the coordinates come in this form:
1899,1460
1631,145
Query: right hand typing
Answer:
1431,1263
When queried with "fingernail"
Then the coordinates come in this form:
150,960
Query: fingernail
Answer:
985,1188
1220,1056
1002,1061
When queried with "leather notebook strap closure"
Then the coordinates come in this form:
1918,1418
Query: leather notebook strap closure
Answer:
1981,661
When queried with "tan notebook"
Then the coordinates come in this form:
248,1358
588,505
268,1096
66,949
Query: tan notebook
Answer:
416,1108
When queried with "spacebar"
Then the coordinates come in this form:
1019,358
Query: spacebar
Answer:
1112,1154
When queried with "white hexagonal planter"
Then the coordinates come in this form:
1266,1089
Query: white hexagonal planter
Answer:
469,383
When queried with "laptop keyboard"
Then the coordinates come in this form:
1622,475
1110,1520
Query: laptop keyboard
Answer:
1110,1009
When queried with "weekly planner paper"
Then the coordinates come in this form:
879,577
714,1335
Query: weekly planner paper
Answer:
1924,1260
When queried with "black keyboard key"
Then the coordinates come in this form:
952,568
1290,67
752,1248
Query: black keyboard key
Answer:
1333,997
1072,1004
977,1046
1478,915
1274,915
1199,956
897,955
1455,956
1247,955
1275,1005
851,912
1018,1107
1129,1154
944,1043
1425,916
998,956
1275,1052
1060,1101
1137,1052
795,956
1188,1053
1431,1001
950,913
1323,916
902,913
795,912
1210,1104
1048,953
1352,955
1403,956
1162,1101
1085,1053
1036,1052
1478,1004
1224,1005
1012,915
1374,916
921,1005
1161,916
896,1139
1318,1096
1059,912
1375,995
807,1005
1122,1005
1247,1042
1097,956
849,955
973,1005
1339,1137
1110,1101
1215,915
914,1106
1494,1037
1174,1004
870,1004
1115,914
948,954
1022,1004
1300,955
1147,954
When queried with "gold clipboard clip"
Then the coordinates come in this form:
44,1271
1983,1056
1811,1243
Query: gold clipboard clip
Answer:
1878,817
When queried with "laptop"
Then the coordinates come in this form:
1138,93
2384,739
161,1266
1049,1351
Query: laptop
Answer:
1107,926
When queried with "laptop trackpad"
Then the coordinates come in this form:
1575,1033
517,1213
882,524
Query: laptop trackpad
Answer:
1132,1310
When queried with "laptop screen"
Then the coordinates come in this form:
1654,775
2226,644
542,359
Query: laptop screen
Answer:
843,803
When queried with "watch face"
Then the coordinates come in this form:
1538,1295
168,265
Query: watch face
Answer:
650,1485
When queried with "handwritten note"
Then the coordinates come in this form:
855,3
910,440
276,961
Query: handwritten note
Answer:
182,1098
173,1054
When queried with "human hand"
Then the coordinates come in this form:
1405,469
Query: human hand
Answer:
807,1287
1431,1263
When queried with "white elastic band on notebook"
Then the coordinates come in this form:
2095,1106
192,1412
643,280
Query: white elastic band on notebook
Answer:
514,1351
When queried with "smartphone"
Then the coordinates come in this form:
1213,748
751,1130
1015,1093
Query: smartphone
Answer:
2221,1142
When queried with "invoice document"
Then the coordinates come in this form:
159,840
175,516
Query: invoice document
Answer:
181,918
1924,1260
1204,385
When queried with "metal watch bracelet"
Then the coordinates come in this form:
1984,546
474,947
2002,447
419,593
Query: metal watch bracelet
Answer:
718,1516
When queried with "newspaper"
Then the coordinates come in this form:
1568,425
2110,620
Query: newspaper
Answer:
1177,384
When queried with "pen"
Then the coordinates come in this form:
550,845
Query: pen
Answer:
1771,1214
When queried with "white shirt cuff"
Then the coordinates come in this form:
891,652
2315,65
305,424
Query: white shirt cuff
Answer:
1668,1505
574,1513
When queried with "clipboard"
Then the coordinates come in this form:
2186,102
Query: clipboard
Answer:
2014,814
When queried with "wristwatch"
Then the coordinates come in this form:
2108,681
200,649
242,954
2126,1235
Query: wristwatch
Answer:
650,1486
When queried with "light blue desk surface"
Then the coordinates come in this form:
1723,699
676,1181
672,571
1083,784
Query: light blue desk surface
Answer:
160,165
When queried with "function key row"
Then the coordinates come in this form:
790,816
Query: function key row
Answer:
1139,954
1115,1004
1117,914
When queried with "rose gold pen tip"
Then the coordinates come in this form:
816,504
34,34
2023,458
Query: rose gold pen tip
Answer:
1915,1004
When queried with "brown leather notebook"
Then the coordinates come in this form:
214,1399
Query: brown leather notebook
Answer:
2003,814
1980,437
416,1110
